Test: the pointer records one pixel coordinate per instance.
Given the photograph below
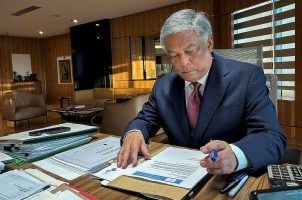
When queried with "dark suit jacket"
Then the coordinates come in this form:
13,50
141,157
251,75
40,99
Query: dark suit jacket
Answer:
235,108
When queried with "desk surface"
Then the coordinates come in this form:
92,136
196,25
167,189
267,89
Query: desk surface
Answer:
208,191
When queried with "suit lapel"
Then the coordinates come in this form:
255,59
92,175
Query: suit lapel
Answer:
179,106
215,89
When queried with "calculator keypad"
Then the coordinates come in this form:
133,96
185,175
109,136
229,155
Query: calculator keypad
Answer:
285,175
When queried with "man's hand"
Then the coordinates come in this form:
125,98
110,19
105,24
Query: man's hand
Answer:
133,143
226,160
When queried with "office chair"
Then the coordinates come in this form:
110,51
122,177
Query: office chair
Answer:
252,55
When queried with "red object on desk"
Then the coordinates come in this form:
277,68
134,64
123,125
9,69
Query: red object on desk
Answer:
82,192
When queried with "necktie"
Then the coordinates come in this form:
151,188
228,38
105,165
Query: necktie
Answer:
193,106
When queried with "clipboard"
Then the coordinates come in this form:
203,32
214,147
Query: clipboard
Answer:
161,190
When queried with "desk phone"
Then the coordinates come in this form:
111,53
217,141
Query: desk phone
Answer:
285,175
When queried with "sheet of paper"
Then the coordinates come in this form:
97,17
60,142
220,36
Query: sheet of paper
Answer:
4,157
59,169
173,166
68,195
23,136
45,195
93,155
17,185
112,171
44,177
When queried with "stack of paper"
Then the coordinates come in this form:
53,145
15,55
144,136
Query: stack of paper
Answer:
81,160
172,173
25,148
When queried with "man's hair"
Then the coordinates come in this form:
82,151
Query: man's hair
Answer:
184,20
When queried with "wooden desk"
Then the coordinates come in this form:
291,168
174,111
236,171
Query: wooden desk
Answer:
208,191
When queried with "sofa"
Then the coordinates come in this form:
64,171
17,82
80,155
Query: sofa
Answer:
22,105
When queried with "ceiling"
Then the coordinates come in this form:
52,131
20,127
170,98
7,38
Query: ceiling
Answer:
54,16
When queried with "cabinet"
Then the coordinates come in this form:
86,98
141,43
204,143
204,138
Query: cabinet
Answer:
34,87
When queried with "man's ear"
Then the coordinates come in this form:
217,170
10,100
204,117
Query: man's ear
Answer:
210,43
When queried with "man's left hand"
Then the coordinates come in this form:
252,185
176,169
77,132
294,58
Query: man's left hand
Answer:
226,160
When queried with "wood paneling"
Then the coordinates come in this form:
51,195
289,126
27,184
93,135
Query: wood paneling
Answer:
19,45
54,47
121,66
150,22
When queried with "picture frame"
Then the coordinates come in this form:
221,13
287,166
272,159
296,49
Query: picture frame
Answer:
64,68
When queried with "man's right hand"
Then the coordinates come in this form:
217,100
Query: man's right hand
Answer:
133,144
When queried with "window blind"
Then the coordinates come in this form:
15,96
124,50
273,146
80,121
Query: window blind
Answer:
272,25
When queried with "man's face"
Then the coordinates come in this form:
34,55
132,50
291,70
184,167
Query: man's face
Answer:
189,54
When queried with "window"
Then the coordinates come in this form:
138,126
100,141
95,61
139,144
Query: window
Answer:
272,25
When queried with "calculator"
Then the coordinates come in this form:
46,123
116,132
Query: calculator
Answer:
285,175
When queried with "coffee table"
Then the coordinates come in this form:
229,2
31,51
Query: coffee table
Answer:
79,114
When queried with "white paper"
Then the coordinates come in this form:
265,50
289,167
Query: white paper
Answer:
173,166
4,157
93,155
17,185
23,136
79,161
59,169
44,177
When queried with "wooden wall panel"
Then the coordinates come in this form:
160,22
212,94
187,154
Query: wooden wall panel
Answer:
19,45
54,47
121,66
150,22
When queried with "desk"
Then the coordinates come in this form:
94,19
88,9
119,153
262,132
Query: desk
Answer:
209,191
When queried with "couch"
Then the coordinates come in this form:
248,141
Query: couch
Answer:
22,105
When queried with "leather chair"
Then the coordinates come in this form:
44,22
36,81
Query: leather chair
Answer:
116,116
253,55
22,105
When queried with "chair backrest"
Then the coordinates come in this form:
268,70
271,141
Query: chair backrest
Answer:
116,116
253,55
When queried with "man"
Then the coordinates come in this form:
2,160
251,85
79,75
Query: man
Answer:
234,113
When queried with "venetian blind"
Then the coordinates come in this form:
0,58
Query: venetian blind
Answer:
272,25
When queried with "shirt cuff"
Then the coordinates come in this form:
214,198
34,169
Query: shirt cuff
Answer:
125,135
241,158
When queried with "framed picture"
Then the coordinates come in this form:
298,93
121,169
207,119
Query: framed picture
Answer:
64,70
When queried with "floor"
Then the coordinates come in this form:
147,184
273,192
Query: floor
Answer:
54,118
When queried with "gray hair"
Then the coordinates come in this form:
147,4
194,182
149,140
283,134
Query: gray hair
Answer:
184,20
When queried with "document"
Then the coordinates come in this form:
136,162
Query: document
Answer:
44,177
17,185
173,166
4,157
81,160
92,156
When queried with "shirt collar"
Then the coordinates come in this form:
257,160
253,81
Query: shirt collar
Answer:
202,81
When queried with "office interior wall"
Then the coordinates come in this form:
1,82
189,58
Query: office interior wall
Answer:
54,47
19,45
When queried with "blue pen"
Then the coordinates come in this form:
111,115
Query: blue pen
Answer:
233,183
213,155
